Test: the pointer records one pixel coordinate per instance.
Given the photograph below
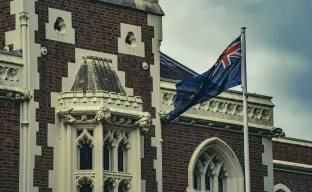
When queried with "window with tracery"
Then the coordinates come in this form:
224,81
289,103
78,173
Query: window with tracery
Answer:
210,173
115,147
214,168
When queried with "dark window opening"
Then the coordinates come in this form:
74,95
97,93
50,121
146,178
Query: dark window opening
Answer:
207,181
120,159
85,188
106,188
106,157
122,188
85,157
195,181
220,184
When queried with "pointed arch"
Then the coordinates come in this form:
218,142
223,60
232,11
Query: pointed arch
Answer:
223,153
281,188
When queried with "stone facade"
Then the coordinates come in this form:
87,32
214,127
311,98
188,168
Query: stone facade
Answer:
40,111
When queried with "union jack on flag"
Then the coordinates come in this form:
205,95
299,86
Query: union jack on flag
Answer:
224,74
229,54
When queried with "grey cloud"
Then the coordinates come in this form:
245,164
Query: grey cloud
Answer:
278,48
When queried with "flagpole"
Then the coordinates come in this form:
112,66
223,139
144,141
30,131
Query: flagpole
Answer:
246,132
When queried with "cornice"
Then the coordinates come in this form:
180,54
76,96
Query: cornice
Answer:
292,166
228,94
222,109
113,116
219,124
100,98
293,142
15,93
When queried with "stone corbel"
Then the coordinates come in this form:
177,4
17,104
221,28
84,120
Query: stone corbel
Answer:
15,93
66,118
163,115
145,122
103,115
274,132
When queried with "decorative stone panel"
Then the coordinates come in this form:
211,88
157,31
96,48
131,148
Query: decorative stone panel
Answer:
130,41
101,98
59,27
223,109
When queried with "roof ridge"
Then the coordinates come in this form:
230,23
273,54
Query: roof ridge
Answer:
180,64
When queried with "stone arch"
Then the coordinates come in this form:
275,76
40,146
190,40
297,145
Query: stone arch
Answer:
235,179
281,188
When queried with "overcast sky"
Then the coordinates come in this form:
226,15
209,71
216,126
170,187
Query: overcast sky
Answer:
279,53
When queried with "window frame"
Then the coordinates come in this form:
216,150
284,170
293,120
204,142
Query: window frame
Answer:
234,179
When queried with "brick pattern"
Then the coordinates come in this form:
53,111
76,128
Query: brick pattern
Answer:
180,142
294,181
9,145
97,28
7,21
292,153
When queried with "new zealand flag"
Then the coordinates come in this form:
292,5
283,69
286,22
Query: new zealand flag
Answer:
224,74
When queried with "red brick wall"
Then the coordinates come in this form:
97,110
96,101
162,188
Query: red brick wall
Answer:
294,181
97,28
292,153
9,145
7,21
180,142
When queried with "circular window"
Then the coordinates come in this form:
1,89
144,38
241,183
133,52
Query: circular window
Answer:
130,39
60,26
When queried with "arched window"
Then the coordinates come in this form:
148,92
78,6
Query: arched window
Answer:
281,188
85,144
214,167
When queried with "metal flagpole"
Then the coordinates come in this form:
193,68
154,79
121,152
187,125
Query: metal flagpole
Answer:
246,132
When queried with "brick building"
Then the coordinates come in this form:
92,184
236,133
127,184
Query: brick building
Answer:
84,87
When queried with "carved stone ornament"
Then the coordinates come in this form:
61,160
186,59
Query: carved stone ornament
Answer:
102,115
14,93
163,115
274,132
145,122
84,117
24,17
65,116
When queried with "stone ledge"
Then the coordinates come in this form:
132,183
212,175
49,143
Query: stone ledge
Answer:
101,98
293,141
15,93
292,166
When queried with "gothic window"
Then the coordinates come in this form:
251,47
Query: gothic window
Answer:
215,168
85,149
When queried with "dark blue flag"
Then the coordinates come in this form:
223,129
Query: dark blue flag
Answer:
224,74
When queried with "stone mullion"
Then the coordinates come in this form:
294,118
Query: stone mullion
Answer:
98,135
68,157
202,181
215,183
63,177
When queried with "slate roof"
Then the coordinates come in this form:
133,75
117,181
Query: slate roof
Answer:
172,69
97,74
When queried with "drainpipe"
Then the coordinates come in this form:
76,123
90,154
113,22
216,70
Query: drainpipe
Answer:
24,106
